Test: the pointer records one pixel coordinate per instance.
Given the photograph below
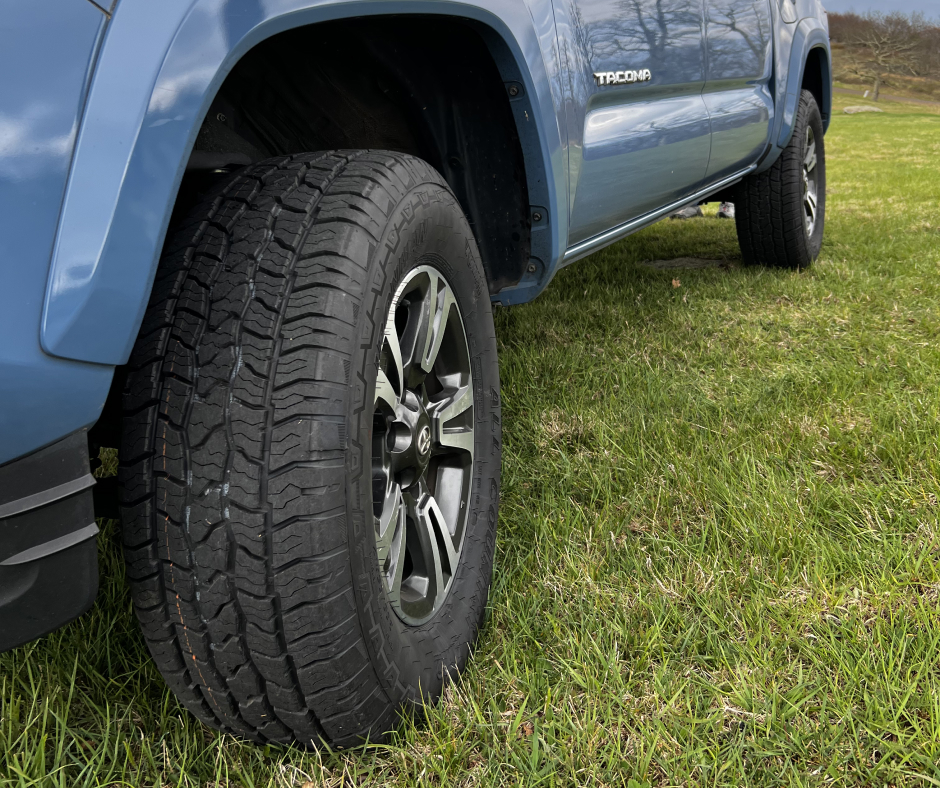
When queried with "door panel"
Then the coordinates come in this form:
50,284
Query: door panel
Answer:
740,124
638,157
635,146
739,46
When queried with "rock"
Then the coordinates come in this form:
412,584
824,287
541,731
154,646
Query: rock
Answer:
861,108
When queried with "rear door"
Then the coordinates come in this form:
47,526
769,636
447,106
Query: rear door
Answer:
638,128
739,36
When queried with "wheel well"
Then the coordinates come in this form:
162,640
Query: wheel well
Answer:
816,81
423,85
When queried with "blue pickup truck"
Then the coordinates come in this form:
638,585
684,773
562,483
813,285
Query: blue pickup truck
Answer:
255,245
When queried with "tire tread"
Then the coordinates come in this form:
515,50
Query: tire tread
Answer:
232,468
768,205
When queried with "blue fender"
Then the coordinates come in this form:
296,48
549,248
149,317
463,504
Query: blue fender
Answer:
811,33
160,67
47,56
793,48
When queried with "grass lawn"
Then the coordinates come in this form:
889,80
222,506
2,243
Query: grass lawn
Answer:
719,551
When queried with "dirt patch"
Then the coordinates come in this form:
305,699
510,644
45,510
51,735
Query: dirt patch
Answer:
686,263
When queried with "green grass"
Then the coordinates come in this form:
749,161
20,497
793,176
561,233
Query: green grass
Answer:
719,537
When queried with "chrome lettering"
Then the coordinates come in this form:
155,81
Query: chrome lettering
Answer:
625,77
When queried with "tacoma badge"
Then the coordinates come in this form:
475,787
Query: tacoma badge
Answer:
622,77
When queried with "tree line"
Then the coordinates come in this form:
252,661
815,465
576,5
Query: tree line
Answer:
895,50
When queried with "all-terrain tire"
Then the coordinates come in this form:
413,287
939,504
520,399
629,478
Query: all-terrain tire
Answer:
246,472
770,212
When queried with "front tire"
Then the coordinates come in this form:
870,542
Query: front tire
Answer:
318,351
780,213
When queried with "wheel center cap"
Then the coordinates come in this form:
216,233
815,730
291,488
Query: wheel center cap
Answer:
412,451
424,440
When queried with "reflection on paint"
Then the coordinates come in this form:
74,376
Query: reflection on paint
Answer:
614,174
705,112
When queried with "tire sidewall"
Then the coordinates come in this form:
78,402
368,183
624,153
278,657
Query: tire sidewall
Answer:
810,116
414,662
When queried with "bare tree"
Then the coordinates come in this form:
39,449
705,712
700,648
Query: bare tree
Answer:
661,30
579,53
734,23
928,58
648,31
879,46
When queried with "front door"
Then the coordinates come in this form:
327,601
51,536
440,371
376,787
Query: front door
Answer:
638,128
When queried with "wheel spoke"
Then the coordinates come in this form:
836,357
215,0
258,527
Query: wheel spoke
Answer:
810,200
389,522
390,543
385,392
447,434
436,538
438,302
809,160
393,353
461,401
457,439
397,568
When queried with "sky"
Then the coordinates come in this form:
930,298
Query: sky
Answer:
929,8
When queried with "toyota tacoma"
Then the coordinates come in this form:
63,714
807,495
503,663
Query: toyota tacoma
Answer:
254,245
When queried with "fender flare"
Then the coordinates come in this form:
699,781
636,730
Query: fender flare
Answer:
160,67
810,34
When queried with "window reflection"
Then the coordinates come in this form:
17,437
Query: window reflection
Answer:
739,36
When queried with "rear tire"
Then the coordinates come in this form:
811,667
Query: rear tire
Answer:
252,427
780,213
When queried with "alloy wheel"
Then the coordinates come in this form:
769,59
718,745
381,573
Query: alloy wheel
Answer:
422,444
810,182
